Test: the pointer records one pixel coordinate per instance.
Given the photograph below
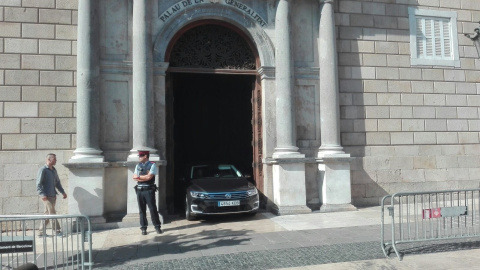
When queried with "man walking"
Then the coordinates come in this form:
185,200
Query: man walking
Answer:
47,185
144,174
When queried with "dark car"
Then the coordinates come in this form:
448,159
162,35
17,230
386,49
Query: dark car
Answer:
217,188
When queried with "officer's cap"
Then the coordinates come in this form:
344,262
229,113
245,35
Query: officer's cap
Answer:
143,153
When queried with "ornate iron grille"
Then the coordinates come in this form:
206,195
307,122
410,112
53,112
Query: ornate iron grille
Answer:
212,46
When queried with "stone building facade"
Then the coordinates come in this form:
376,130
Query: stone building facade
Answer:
329,104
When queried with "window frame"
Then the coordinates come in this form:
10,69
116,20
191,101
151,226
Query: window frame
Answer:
415,60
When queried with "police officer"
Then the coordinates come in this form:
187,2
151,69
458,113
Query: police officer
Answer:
145,176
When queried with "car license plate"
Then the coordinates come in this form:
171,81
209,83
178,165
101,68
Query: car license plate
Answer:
228,203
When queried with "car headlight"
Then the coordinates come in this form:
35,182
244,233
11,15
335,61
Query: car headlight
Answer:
252,192
199,195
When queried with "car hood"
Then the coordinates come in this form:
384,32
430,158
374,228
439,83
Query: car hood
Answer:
216,184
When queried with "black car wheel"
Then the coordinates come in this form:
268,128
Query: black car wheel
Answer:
188,211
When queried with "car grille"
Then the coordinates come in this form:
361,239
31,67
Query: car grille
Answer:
227,195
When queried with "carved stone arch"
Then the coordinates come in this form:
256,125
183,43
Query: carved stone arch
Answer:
250,28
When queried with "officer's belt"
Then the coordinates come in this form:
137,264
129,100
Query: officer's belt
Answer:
145,187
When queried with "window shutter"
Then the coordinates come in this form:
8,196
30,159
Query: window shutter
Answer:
433,38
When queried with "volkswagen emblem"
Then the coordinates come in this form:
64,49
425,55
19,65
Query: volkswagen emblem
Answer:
228,195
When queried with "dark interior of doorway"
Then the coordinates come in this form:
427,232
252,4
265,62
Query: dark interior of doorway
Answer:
212,121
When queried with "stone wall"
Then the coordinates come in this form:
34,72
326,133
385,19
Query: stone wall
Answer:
37,96
411,128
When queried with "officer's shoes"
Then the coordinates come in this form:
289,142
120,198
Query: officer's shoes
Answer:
159,230
144,232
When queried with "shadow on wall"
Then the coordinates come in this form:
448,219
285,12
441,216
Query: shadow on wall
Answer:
87,203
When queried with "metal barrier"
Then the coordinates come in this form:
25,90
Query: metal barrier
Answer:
22,241
430,215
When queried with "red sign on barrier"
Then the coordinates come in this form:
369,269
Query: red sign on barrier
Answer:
432,213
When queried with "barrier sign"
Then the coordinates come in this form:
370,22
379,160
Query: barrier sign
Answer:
16,246
445,212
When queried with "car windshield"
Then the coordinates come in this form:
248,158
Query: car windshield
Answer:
217,170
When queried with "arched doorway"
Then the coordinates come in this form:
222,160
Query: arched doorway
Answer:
213,103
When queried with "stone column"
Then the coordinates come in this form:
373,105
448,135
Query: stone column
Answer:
334,164
143,126
288,165
88,72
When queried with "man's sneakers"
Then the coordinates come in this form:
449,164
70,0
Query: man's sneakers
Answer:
144,232
158,230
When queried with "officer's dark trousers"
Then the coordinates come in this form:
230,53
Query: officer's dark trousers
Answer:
144,198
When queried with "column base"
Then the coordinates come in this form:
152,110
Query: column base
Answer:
87,155
326,151
290,210
325,208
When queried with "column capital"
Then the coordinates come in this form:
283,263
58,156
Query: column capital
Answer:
266,72
160,68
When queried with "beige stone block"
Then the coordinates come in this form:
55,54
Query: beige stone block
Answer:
363,46
55,109
10,125
365,125
345,99
450,4
66,125
1,109
457,174
351,86
404,48
38,62
382,47
470,161
470,52
424,138
433,74
375,60
436,175
2,77
454,75
14,14
457,125
470,4
39,4
20,205
435,125
344,72
399,86
21,77
398,61
434,99
424,112
38,125
349,59
373,8
468,137
29,187
403,23
444,87
11,189
344,46
353,112
467,63
454,150
68,32
374,163
358,190
38,93
447,137
377,112
384,73
386,151
1,42
412,99
353,138
396,10
53,141
8,29
18,141
375,86
55,46
401,112
403,163
14,45
361,20
473,125
399,138
350,32
398,35
444,162
378,138
55,16
346,125
410,74
472,76
422,87
67,4
20,109
389,125
38,30
466,88
467,112
66,62
363,72
350,7
364,99
424,162
10,93
413,125
374,34
388,99
474,174
385,22
445,112
407,150
342,19
56,78
20,172
67,94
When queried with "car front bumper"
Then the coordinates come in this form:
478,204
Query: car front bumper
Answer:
211,207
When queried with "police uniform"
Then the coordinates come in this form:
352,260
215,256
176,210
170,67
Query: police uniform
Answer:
146,195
